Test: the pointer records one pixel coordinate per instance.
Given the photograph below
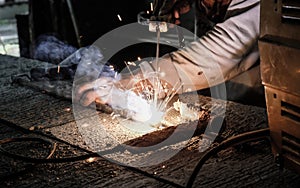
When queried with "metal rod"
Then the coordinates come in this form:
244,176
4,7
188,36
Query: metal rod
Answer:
74,21
156,93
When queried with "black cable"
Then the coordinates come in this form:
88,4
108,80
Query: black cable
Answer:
67,159
162,180
28,167
235,140
48,159
11,140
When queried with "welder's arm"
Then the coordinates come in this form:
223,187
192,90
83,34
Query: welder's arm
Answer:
223,53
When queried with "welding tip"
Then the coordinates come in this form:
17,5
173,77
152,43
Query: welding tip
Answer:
161,26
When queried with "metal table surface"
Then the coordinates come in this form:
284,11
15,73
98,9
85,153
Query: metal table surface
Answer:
37,114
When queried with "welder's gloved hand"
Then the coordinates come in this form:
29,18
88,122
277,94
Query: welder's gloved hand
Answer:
131,92
104,90
98,90
170,10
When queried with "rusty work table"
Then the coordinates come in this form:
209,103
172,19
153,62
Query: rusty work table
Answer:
33,113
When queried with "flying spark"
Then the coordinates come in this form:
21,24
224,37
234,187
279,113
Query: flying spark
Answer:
91,159
131,63
67,109
119,17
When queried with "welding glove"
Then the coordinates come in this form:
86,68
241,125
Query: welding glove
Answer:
170,10
105,90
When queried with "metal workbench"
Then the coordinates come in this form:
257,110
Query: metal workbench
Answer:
33,113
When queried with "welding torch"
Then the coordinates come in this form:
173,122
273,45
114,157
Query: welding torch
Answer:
165,14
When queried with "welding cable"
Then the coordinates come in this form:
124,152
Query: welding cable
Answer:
28,166
27,139
235,140
48,159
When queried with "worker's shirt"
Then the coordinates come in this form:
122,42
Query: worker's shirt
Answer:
226,51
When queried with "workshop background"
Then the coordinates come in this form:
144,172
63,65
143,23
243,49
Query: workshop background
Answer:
41,146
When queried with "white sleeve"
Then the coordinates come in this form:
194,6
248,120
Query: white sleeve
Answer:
223,53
